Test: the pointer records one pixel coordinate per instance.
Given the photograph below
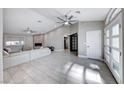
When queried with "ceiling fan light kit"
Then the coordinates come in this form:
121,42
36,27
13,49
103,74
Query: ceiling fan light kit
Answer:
66,23
29,31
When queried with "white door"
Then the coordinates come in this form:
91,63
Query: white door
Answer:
93,44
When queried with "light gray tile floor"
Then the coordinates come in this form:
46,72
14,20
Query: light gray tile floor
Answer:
59,68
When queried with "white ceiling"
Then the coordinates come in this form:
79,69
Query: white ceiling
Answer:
16,20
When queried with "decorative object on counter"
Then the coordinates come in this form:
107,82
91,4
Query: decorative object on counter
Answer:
5,52
51,48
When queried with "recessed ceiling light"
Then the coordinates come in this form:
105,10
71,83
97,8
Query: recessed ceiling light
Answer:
78,12
39,21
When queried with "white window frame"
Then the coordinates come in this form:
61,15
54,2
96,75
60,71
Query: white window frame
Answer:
118,76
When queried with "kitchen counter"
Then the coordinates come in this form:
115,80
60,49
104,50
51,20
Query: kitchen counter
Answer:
24,56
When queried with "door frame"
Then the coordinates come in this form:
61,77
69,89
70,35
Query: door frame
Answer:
66,43
71,43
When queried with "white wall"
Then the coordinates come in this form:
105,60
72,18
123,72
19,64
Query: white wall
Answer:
1,45
56,38
74,28
88,26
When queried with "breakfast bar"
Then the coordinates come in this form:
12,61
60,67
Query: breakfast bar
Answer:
24,56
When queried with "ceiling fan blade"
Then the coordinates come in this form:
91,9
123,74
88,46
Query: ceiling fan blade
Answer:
70,23
72,20
59,22
32,31
66,17
70,17
61,19
25,30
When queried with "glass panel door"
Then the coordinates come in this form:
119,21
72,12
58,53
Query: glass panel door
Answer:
112,48
115,55
115,42
115,30
107,45
115,47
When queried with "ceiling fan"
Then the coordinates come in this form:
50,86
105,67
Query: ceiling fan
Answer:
67,19
29,31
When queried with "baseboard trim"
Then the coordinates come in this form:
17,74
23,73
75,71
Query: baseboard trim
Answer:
97,59
59,50
82,56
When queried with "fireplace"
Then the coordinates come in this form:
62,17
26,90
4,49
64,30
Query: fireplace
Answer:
37,45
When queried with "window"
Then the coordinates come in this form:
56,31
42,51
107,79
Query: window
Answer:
115,42
115,30
116,67
116,55
107,42
10,43
107,58
109,16
116,11
112,48
107,50
112,13
107,33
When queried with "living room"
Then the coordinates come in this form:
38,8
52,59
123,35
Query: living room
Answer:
35,44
